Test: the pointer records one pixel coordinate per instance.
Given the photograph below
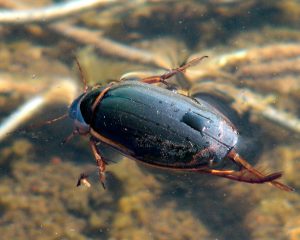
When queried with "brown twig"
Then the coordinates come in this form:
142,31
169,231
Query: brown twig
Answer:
105,45
49,13
79,34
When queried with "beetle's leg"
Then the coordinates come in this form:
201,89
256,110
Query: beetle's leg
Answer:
99,160
172,72
101,95
236,158
68,138
242,176
73,134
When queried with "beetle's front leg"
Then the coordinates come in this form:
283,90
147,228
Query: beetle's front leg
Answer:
99,160
101,95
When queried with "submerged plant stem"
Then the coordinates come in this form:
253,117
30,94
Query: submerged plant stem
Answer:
49,13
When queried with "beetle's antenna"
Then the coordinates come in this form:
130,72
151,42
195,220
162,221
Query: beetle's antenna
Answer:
82,77
4,126
56,119
41,124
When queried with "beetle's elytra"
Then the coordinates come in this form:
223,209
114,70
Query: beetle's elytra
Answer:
162,128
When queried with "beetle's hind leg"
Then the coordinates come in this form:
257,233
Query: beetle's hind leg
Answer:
246,167
99,160
247,173
243,175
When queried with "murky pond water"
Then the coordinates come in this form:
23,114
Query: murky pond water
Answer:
252,71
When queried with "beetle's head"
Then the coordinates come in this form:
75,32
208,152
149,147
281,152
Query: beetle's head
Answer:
75,113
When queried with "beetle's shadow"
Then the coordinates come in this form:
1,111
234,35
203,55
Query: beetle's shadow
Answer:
222,214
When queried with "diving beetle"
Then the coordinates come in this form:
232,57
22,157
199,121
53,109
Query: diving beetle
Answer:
162,128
